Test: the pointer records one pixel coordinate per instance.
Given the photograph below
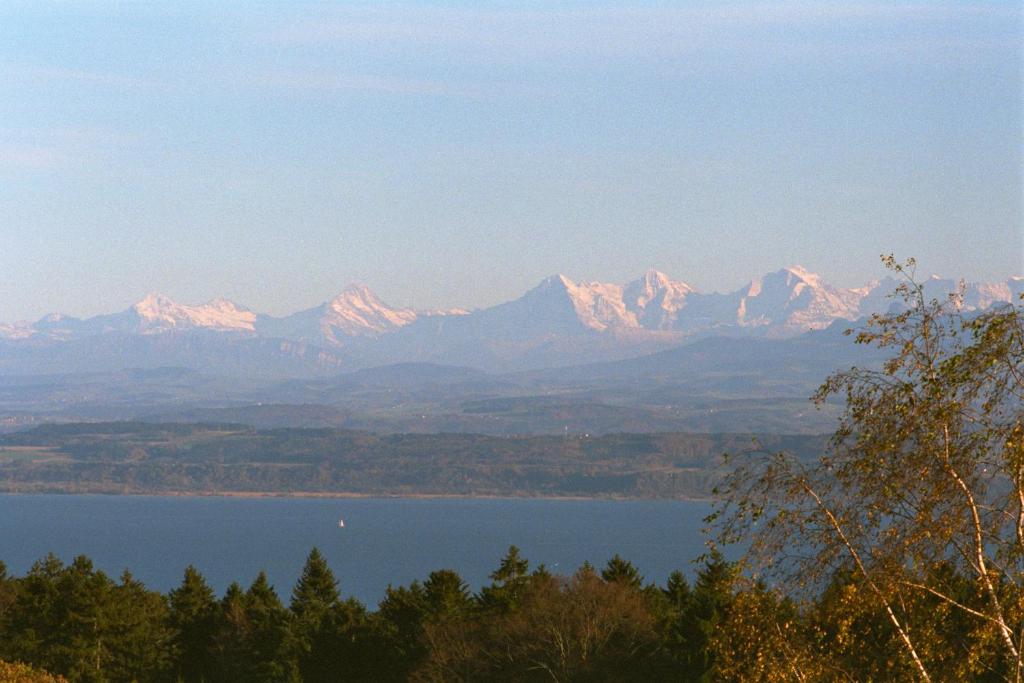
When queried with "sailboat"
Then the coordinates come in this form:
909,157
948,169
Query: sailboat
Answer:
341,523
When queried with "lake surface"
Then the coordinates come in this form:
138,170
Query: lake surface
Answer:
385,540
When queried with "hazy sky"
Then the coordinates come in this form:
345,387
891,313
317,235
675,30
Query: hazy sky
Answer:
456,153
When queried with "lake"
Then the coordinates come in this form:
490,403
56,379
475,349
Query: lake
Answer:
385,540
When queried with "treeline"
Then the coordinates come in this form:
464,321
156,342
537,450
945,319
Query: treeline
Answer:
525,625
75,621
130,457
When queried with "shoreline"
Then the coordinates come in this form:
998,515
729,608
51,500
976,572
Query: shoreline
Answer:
343,495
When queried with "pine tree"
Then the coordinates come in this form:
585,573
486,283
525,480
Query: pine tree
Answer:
677,591
230,643
708,607
268,624
446,594
192,618
31,620
507,582
400,618
622,571
140,636
81,646
316,591
672,603
7,595
315,606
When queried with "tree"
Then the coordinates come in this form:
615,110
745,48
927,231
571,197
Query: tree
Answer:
762,638
622,571
193,610
399,619
15,672
580,628
677,590
229,644
316,591
139,639
327,635
6,591
507,582
445,594
30,621
923,483
268,627
700,617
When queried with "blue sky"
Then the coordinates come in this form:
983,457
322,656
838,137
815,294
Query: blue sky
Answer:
456,153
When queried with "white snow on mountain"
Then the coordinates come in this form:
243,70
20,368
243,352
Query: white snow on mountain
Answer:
779,304
358,311
19,330
354,313
157,313
793,300
656,300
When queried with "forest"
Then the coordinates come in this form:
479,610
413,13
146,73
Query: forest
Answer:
527,624
134,457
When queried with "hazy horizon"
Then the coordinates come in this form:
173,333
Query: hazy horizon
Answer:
452,154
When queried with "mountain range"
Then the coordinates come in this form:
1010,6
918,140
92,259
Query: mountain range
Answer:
557,323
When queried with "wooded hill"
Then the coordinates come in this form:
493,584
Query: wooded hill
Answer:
130,457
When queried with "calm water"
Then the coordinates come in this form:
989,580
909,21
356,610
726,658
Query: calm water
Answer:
384,539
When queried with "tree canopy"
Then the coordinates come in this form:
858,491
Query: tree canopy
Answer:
910,529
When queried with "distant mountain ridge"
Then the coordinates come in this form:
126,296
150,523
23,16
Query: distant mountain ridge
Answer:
558,322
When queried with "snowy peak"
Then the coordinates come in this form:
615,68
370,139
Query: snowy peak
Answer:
154,305
157,312
802,274
794,280
357,311
18,330
649,302
555,285
559,304
655,300
794,300
651,308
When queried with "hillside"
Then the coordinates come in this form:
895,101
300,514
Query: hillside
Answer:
137,458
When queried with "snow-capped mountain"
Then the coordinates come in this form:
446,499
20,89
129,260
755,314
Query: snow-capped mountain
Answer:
157,313
560,321
153,314
794,300
655,300
354,313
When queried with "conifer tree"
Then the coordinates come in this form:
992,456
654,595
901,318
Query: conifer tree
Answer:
622,571
139,640
268,624
31,622
400,618
446,594
316,591
230,644
192,617
7,595
315,605
507,582
80,648
707,608
677,590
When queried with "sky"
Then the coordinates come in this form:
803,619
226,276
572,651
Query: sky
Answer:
454,154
